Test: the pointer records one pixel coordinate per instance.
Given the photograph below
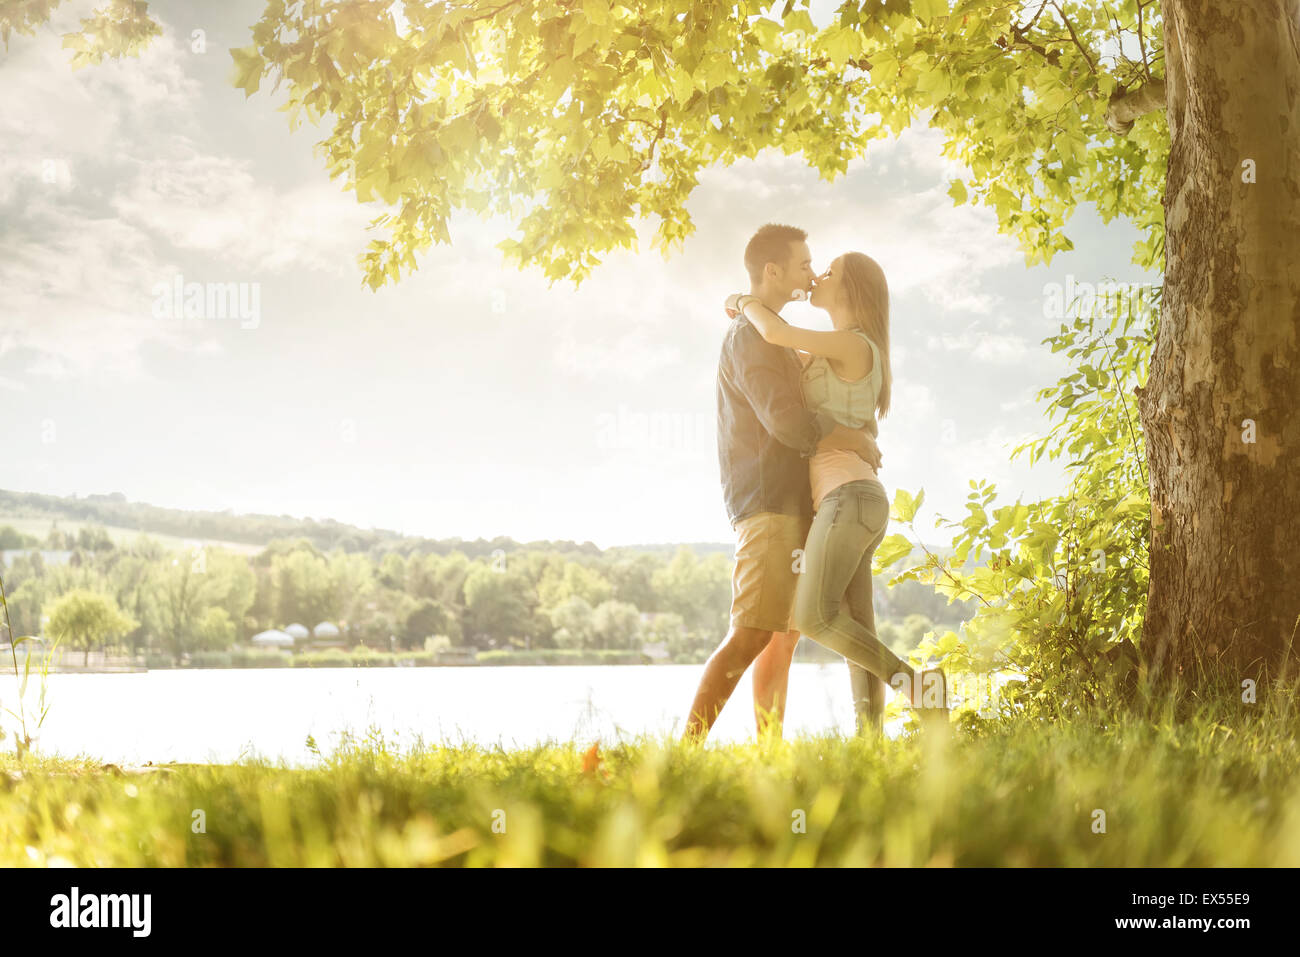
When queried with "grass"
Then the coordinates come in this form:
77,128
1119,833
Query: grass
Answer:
1221,789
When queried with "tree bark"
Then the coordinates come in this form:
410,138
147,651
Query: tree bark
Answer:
1220,406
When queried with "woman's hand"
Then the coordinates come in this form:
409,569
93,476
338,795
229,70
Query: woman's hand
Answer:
853,440
763,319
731,305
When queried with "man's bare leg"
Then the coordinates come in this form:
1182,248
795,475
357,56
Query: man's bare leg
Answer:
721,675
771,680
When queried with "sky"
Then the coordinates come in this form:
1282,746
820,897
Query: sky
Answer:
472,399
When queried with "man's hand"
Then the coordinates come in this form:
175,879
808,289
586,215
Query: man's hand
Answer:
853,440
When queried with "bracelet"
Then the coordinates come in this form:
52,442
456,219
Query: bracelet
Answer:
740,303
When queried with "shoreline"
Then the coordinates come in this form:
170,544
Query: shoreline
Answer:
261,661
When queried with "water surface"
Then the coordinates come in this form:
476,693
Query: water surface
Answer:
223,714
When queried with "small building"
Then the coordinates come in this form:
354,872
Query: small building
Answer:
272,638
327,635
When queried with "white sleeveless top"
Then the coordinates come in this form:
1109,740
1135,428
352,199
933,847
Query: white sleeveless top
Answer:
852,404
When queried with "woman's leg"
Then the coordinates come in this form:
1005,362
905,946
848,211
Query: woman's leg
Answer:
868,691
868,700
846,530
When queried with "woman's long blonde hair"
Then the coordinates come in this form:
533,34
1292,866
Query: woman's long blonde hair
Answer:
867,295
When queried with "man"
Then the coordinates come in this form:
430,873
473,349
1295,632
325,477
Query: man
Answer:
765,438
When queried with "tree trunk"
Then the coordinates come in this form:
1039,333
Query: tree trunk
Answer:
1220,406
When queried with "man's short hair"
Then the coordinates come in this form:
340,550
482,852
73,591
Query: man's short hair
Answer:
771,244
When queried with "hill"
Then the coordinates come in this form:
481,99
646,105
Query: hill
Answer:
33,514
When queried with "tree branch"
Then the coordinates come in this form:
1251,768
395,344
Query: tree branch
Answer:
1142,45
659,135
1028,26
490,13
1053,57
1075,37
1127,105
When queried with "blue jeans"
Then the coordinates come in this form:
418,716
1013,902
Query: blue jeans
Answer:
833,604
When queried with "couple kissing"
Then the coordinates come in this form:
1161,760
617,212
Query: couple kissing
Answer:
797,453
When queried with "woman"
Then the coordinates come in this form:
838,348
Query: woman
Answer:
846,376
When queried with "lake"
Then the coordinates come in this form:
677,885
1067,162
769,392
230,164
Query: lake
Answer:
219,715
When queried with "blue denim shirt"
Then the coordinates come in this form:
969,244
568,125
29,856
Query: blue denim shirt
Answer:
765,433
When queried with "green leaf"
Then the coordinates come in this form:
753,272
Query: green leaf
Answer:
597,11
27,670
768,33
891,550
841,45
905,505
927,10
247,72
800,20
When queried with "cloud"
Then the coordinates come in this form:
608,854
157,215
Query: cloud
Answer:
74,276
625,355
749,180
52,111
986,346
917,148
1001,348
213,204
924,244
986,456
1015,405
76,300
102,186
916,399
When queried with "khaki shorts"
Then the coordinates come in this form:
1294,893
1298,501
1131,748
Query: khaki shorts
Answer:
764,579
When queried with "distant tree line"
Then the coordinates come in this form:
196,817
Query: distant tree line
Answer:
326,535
143,597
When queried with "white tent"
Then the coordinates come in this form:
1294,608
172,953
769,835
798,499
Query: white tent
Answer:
326,630
297,631
272,638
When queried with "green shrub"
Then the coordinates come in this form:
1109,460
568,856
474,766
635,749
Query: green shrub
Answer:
416,658
329,658
561,656
210,659
364,657
1061,583
260,658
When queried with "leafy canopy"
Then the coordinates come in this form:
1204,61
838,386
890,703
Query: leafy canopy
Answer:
574,117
